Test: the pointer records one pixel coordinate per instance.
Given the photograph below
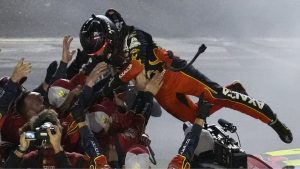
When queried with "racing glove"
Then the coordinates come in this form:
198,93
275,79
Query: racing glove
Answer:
81,58
203,107
50,72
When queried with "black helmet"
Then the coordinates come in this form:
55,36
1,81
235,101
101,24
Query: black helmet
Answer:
98,36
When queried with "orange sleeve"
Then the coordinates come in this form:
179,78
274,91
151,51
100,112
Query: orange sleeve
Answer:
131,71
164,55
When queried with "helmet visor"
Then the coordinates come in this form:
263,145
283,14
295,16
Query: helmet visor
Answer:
100,51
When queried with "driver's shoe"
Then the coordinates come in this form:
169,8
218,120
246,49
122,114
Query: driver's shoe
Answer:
282,130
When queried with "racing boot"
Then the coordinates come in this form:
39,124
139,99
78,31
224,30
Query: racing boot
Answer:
237,87
284,132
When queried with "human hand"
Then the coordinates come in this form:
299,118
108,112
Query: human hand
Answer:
50,72
55,139
155,83
99,70
140,81
203,107
24,143
66,54
81,57
22,69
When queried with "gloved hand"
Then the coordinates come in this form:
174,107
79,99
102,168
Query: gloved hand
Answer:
203,107
50,72
81,57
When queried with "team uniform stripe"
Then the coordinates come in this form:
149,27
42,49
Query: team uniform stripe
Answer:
263,116
210,89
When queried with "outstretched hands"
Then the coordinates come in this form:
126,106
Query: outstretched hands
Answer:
152,85
66,53
50,72
22,69
155,83
99,70
203,107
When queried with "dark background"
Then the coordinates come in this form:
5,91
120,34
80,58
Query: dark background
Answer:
164,18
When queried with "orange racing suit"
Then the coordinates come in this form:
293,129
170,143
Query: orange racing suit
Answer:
142,53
